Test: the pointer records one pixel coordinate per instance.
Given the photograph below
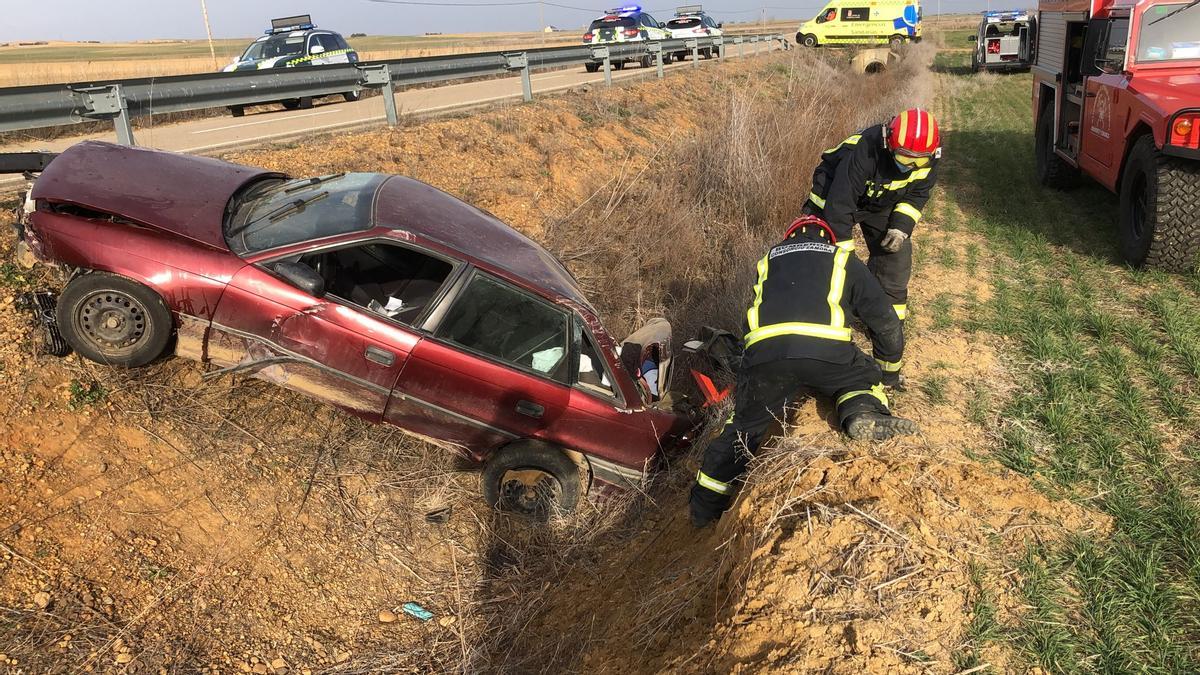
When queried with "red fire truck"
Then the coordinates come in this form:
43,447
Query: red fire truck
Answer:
1116,97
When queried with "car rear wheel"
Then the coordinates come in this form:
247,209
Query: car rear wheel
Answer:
974,62
237,110
809,41
532,480
113,320
647,61
1160,209
352,96
1052,170
592,67
618,65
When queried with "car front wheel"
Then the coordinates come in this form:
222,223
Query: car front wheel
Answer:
809,41
532,480
113,320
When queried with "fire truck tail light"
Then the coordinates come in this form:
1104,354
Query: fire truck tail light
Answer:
1185,131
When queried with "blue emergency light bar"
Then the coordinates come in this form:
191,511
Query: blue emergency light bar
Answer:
1005,14
625,10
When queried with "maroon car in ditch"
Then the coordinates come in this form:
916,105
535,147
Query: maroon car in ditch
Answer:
378,294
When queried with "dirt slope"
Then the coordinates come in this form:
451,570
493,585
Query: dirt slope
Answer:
159,520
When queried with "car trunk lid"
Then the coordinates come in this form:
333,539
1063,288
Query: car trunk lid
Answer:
182,194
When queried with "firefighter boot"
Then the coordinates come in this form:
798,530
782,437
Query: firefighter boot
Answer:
873,426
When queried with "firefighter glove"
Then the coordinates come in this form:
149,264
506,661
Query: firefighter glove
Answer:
893,240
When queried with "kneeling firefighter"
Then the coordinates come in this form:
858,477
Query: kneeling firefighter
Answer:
881,178
798,343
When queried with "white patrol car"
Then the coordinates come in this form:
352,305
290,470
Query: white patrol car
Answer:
624,24
691,22
291,42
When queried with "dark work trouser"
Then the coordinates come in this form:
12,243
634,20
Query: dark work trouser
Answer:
892,270
761,398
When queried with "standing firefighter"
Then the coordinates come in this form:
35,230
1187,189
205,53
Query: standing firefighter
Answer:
880,178
798,343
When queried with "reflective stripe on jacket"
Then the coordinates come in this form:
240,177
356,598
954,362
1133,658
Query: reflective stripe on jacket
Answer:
859,175
806,293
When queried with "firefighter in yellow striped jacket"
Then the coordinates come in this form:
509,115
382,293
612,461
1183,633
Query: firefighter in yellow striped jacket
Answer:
880,178
797,343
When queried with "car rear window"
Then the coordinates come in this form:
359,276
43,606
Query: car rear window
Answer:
683,23
275,213
616,22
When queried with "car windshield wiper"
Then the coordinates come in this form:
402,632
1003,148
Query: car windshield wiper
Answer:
277,214
316,180
1188,6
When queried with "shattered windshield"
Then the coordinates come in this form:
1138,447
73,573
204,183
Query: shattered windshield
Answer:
275,212
1169,33
272,47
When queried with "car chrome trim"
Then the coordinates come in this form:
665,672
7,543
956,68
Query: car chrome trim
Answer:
611,472
458,416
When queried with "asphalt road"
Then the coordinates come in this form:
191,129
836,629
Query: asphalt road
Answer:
331,114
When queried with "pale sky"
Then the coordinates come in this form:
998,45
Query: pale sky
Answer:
118,20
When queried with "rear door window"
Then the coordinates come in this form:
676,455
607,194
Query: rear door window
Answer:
500,321
856,14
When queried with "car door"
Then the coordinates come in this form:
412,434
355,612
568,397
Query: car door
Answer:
346,346
1104,89
494,368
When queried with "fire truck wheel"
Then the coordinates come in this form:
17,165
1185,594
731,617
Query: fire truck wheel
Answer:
1052,170
1160,209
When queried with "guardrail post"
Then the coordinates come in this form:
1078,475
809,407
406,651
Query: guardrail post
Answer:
694,45
719,43
603,53
107,103
741,43
520,61
379,76
656,49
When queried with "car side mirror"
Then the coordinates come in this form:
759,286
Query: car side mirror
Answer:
316,49
1112,61
302,277
661,24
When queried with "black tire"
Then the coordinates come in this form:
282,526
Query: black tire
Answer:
113,320
1052,170
352,96
592,67
1160,209
306,102
810,41
618,65
707,53
531,479
290,103
974,62
237,110
647,61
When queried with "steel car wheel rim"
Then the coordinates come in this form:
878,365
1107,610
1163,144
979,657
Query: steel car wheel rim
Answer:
113,321
529,491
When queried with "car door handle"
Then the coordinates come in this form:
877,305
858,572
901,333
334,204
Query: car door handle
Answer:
381,356
531,409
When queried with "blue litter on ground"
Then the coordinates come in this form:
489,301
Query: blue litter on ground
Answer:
415,610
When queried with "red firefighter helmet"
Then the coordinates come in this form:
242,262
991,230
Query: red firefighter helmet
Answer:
817,227
914,133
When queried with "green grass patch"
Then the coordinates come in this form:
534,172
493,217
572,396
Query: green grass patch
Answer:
1108,362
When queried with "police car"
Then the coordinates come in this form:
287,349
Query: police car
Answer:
691,22
291,42
624,24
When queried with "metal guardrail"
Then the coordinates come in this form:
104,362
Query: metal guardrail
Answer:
54,105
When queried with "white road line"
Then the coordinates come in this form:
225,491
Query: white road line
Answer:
273,120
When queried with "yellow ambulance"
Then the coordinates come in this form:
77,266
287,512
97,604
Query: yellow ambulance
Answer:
854,22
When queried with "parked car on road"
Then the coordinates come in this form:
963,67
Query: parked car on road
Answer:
691,22
1003,42
293,42
1116,97
622,25
377,294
